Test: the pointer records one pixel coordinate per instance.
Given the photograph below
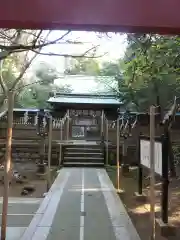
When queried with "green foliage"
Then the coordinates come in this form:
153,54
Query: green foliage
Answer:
85,66
9,71
36,95
46,74
149,73
110,69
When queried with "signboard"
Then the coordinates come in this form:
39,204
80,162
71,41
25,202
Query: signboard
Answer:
160,16
145,155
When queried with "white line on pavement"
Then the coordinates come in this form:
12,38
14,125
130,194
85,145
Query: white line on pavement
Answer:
82,209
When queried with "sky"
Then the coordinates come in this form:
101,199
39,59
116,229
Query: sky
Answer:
111,47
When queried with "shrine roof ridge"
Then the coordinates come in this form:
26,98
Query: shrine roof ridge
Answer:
85,99
90,95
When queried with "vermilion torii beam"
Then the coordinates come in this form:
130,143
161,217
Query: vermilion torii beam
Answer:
160,16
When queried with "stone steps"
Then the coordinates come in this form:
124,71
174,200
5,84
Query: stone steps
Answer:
84,159
82,164
83,155
85,150
77,155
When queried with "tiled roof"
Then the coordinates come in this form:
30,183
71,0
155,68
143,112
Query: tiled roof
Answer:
85,98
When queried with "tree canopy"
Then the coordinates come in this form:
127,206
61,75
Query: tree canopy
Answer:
36,95
85,66
149,72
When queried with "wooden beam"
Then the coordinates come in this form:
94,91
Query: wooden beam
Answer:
103,15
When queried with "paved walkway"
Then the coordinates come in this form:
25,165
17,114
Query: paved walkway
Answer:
20,213
82,205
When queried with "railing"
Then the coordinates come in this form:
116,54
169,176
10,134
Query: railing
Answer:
56,124
30,119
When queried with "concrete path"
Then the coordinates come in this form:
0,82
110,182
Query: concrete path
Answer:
20,213
82,205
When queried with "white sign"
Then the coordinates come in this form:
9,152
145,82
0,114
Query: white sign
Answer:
145,155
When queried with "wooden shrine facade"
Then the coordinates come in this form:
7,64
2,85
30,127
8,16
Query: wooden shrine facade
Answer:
85,113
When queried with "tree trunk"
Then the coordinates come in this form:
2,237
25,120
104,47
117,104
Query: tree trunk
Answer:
8,164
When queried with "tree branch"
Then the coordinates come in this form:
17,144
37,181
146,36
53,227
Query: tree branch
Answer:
31,47
28,63
29,84
22,72
68,55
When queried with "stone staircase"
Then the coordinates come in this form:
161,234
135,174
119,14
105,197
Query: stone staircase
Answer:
83,155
